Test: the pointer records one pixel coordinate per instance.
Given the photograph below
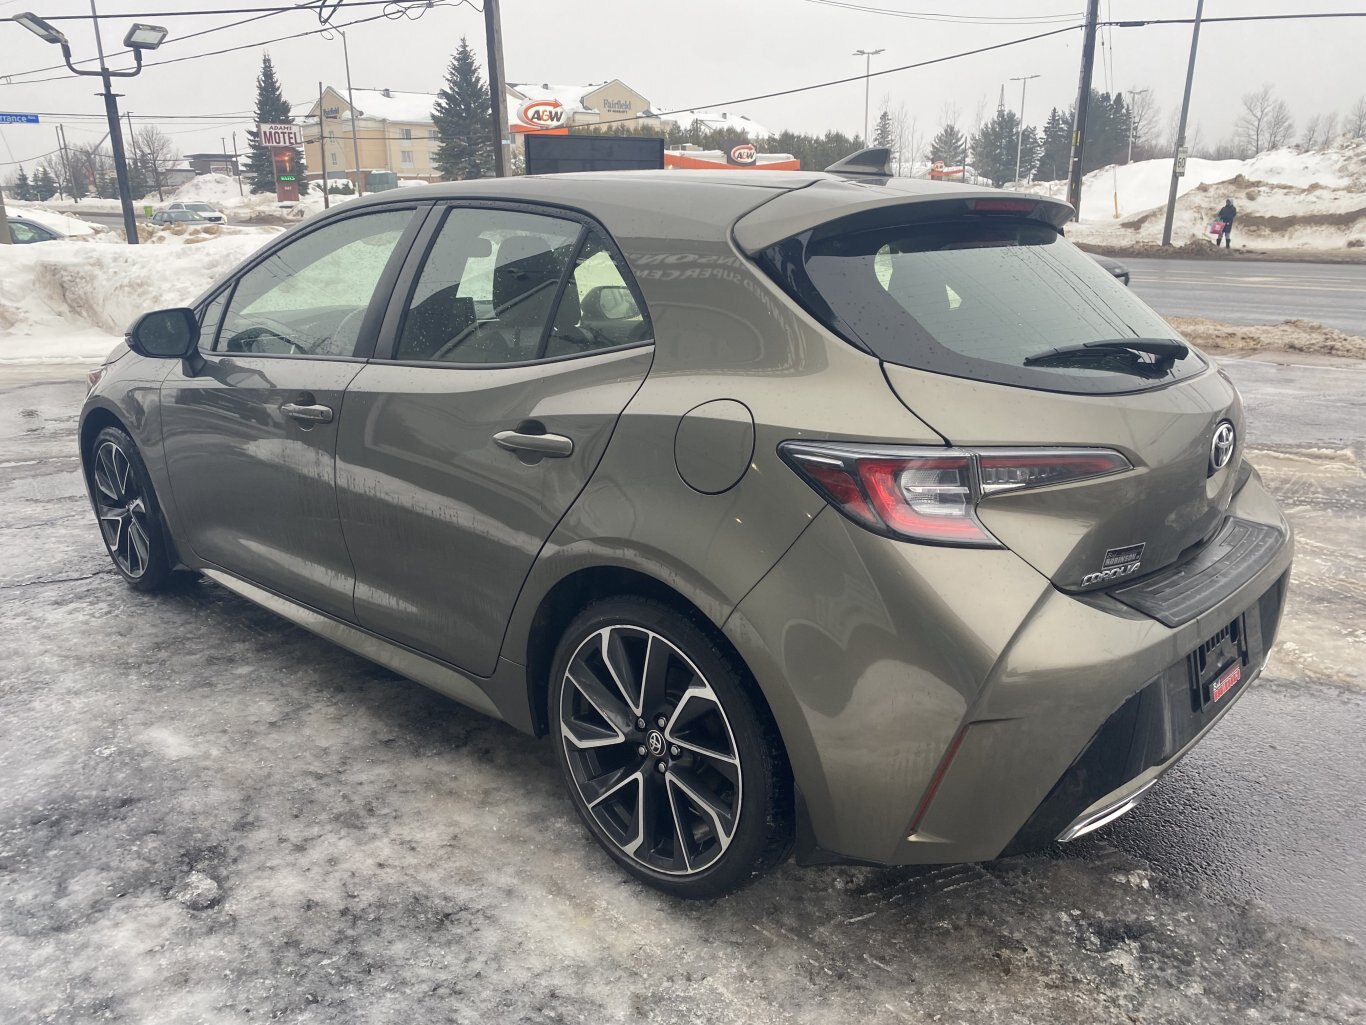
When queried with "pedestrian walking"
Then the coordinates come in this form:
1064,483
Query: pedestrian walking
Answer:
1225,217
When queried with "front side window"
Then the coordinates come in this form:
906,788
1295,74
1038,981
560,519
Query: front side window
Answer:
487,287
309,298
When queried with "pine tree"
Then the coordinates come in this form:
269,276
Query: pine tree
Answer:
950,146
462,116
22,188
272,109
44,186
1056,147
882,134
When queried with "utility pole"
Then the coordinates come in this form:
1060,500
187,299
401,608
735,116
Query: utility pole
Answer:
4,222
1088,63
322,147
56,130
1019,142
66,162
1133,97
867,56
237,165
493,32
1179,157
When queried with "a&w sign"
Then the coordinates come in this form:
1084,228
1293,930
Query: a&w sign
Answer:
279,135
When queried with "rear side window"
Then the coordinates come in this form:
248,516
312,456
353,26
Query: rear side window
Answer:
978,297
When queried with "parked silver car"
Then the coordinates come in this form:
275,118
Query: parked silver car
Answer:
865,517
204,210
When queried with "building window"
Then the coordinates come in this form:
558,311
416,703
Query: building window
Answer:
405,157
433,135
405,133
332,159
331,136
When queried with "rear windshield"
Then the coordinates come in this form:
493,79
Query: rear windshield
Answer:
976,297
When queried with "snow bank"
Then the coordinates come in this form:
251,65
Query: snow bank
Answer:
1285,199
54,292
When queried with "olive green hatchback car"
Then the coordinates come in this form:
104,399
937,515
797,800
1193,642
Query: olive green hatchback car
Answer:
859,516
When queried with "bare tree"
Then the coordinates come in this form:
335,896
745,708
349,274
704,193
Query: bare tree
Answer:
1312,134
904,140
90,164
1329,128
1356,119
1143,117
158,154
1280,126
1265,122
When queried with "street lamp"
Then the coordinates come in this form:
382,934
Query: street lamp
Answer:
868,56
140,37
1019,141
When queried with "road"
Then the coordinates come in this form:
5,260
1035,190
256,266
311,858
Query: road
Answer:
1254,293
210,816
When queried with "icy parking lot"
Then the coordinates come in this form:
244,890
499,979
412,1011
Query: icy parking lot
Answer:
210,816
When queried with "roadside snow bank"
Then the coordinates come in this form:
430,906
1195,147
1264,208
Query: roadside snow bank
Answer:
1287,336
57,288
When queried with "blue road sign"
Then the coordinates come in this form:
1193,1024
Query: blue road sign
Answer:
18,119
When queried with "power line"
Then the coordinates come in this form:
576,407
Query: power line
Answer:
1012,20
278,9
386,15
1308,16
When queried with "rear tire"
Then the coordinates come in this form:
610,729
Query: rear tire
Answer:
127,510
671,762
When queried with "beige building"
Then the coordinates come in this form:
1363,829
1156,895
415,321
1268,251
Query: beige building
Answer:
393,132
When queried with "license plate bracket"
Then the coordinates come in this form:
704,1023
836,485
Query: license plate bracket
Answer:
1217,666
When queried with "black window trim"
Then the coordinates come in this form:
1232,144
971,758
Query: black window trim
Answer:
392,328
379,298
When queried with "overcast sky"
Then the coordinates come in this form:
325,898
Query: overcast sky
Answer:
702,53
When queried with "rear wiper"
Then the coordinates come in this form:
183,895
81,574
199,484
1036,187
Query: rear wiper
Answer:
1167,350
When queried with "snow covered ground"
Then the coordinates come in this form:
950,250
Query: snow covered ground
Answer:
1286,200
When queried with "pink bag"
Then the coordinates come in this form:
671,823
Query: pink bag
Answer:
1216,228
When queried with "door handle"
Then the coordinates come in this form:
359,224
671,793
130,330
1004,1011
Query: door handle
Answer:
556,445
313,414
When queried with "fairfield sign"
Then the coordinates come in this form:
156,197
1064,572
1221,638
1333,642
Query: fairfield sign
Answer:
279,135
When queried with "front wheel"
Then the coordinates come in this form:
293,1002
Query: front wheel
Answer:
670,762
128,513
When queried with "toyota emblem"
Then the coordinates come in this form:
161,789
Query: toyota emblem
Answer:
1221,447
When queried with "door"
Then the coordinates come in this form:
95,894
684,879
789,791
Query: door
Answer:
250,435
512,358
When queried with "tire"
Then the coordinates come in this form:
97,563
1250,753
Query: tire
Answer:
696,807
128,513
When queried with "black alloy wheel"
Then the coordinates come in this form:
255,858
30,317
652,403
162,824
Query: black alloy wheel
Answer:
669,763
126,506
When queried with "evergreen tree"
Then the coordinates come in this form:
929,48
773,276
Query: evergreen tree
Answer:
949,145
463,117
138,183
272,109
22,188
44,186
1055,148
882,134
996,148
106,185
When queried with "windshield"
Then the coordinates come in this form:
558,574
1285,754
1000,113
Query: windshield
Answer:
978,297
198,206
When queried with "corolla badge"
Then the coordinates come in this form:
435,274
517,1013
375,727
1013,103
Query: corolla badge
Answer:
1221,447
1118,563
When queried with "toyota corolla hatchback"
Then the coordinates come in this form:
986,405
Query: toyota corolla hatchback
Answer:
868,518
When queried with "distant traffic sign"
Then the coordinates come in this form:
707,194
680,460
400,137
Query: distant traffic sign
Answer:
18,119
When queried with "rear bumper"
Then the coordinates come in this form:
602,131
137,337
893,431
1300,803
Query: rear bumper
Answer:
945,705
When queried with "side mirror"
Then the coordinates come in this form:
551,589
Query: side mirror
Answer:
164,334
610,302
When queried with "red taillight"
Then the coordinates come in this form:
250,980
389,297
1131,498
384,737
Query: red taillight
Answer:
931,495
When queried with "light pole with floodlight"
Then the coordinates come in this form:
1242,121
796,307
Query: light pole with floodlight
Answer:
868,56
1019,141
140,37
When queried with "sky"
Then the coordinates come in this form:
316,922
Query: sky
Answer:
704,53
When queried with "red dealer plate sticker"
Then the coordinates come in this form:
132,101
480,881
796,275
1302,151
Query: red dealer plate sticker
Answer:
1225,683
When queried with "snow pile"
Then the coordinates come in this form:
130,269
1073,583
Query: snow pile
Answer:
69,300
1285,199
1288,336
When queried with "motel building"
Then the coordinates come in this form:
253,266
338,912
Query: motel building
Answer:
394,130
